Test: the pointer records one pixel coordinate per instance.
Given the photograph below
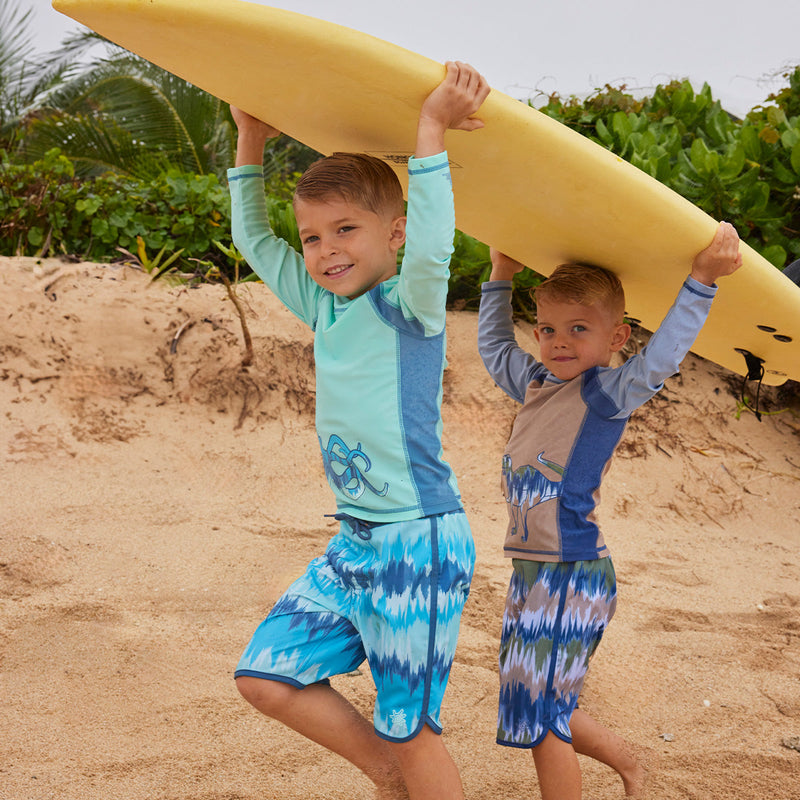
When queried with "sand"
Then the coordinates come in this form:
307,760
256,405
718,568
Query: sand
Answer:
156,499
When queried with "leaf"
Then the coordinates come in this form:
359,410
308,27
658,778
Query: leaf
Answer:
796,158
748,136
622,126
719,126
733,163
697,154
784,175
755,199
604,134
769,135
142,252
775,116
167,264
775,254
790,137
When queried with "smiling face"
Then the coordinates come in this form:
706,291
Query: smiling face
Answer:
574,337
348,249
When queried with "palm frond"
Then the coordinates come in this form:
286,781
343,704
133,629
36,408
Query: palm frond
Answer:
16,46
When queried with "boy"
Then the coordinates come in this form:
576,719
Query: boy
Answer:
391,585
562,592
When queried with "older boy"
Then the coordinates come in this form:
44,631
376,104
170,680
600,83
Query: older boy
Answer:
391,585
562,592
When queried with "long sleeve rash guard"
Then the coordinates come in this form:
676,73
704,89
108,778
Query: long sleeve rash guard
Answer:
379,357
565,434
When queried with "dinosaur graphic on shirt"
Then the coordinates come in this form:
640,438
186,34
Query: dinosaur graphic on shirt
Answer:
527,487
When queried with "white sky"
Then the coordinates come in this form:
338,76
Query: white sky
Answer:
572,46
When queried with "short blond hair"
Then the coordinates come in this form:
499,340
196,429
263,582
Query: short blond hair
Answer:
357,178
584,284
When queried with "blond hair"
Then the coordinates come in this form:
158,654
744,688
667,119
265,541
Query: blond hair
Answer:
586,285
357,178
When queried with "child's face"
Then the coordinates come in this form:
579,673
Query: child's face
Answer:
348,249
574,337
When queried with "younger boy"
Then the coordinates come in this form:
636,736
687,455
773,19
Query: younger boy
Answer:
562,592
391,585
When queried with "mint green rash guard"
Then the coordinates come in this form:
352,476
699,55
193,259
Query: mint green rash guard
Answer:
379,358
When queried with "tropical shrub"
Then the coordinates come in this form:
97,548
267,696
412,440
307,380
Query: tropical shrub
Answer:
46,210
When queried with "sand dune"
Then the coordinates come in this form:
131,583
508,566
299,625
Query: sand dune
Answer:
157,499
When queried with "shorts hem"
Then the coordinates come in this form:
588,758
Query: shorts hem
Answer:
437,729
531,745
268,676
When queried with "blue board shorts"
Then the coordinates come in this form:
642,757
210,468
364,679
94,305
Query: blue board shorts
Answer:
390,593
554,619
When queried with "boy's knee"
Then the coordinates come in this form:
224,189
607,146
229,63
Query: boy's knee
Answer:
425,742
266,695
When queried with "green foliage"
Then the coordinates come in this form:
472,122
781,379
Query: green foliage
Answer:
470,267
129,117
15,49
158,264
44,209
172,220
282,221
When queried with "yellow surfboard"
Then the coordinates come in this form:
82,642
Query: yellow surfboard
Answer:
525,183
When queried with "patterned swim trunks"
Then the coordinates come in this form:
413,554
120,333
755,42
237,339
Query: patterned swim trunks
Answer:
555,616
391,593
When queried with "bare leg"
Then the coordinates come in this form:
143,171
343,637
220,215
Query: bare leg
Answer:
590,738
557,769
428,769
321,714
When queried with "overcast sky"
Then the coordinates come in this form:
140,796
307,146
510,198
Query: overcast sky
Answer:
525,47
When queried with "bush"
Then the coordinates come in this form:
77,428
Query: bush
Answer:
45,210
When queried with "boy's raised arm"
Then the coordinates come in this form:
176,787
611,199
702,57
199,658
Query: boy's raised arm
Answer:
272,259
504,268
252,137
422,288
450,106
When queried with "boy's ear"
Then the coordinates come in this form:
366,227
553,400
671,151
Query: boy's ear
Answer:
397,235
621,335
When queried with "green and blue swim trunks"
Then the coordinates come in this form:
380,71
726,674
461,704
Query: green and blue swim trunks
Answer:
555,616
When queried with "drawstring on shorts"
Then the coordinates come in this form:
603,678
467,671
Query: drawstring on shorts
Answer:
361,528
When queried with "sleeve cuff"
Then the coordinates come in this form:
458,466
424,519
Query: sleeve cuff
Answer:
695,287
246,171
417,166
496,286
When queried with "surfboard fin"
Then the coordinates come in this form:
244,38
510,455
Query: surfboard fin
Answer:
755,372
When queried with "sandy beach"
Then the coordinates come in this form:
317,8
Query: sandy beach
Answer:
157,498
